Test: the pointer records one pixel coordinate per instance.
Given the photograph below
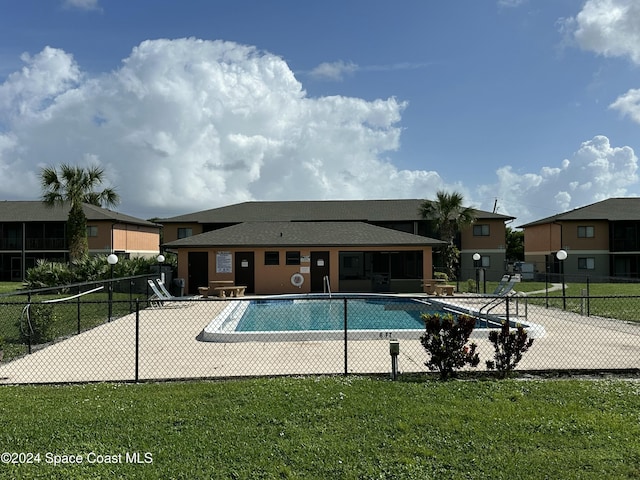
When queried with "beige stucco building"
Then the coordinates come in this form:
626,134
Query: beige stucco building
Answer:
30,230
360,246
601,240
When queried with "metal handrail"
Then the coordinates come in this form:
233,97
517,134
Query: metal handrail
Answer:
326,286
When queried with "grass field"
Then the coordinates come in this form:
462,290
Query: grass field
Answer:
611,300
67,318
8,287
325,427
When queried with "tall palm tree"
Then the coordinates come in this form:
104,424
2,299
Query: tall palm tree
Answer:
448,216
74,186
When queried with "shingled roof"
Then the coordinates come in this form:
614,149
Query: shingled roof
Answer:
292,234
315,210
612,209
35,211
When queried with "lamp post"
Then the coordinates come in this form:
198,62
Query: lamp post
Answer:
476,259
562,255
160,259
111,260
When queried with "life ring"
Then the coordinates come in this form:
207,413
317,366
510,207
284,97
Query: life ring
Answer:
297,280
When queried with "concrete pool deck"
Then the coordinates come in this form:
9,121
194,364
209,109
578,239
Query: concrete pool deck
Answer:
169,349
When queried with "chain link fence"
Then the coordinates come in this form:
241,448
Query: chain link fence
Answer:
132,334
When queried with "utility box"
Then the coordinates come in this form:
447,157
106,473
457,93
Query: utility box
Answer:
526,270
394,347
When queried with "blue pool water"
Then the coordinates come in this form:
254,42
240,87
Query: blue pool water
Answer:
362,314
318,318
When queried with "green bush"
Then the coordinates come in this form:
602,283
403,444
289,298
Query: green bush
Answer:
46,274
471,286
441,276
445,340
509,346
89,269
42,326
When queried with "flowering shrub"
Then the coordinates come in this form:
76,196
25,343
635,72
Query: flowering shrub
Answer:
509,346
445,340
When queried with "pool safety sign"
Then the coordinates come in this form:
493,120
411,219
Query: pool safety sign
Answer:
224,262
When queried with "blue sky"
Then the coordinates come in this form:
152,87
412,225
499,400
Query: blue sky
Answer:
190,105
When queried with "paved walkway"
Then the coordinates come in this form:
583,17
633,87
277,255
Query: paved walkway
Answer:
553,288
169,348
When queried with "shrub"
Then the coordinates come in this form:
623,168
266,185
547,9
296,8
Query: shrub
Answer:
509,346
46,274
441,276
445,340
43,325
471,285
89,269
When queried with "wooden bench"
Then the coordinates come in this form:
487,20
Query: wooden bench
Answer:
231,291
444,289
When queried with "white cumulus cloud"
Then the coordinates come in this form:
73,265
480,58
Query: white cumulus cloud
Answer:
595,172
628,104
609,28
189,124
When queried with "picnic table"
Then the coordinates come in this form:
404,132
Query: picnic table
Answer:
230,290
430,284
444,290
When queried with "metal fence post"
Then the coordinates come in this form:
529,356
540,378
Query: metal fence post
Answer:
588,299
346,371
78,309
137,376
507,306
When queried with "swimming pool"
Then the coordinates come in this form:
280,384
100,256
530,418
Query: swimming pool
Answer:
319,317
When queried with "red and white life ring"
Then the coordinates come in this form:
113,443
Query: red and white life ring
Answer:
297,280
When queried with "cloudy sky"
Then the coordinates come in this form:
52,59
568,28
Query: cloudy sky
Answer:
531,107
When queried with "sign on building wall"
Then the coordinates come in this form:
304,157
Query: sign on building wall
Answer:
224,262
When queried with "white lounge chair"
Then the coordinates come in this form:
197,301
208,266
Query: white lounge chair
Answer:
505,286
163,289
162,295
158,298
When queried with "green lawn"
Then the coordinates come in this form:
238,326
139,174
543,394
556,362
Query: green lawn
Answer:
8,287
326,427
622,299
68,317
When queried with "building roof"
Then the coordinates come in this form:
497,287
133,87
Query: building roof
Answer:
612,209
36,211
291,234
315,210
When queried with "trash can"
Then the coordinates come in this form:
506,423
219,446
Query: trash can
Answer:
179,284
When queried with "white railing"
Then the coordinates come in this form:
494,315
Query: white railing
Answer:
326,286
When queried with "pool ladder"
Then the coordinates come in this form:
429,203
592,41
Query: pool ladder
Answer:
326,286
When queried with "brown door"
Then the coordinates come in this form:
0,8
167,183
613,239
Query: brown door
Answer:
319,270
245,271
198,271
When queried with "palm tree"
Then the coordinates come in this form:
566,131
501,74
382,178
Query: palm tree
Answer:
74,186
449,216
